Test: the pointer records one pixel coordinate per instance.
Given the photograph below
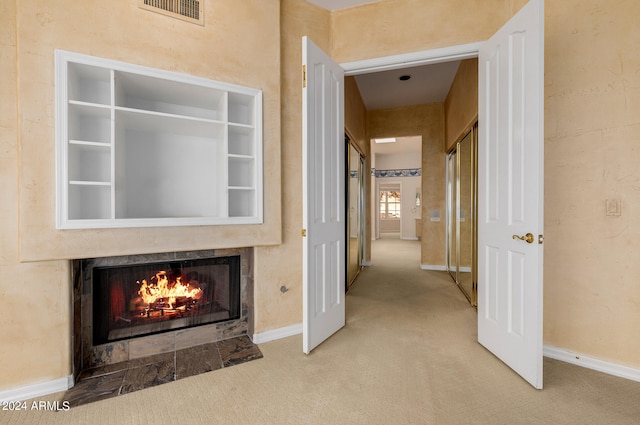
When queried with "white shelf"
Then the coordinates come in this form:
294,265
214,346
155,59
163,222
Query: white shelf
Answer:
143,147
89,161
241,202
89,183
242,109
152,94
90,84
241,140
89,122
241,172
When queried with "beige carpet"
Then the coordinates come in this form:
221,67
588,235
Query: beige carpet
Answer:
408,355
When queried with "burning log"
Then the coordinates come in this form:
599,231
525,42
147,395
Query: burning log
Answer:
160,293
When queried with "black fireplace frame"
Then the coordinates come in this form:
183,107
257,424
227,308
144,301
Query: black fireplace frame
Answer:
101,290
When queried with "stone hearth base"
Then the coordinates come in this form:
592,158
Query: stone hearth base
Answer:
125,377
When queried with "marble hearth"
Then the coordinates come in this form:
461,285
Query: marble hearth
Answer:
103,382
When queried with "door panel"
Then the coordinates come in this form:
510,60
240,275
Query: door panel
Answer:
324,257
510,186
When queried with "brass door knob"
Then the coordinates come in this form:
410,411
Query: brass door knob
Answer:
527,238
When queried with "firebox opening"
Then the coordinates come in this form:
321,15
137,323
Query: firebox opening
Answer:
144,299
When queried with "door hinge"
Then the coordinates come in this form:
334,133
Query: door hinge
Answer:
304,76
304,233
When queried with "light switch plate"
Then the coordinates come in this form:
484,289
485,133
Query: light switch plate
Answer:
614,207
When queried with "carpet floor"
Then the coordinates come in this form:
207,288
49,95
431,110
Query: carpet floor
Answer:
408,355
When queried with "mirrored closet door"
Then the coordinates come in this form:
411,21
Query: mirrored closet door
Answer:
462,215
355,213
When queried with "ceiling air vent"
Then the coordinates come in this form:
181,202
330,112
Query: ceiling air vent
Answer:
187,10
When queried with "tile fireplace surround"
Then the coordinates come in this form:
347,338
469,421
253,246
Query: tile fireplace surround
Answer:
109,381
222,344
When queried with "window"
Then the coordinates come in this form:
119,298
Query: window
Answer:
390,204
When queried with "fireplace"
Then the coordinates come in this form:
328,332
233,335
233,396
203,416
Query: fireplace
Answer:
144,299
130,307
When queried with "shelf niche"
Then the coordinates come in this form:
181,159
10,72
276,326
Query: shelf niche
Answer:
138,147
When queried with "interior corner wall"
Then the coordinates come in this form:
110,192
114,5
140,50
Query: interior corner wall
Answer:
281,265
426,121
461,104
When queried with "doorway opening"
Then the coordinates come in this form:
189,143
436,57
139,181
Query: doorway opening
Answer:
425,206
396,181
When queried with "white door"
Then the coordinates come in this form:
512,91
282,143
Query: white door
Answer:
323,192
510,188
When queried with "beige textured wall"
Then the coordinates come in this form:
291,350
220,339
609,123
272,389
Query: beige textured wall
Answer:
390,27
592,135
282,265
426,121
592,101
239,44
355,115
23,330
461,104
355,119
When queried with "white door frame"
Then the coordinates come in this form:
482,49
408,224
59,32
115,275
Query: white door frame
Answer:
405,60
424,57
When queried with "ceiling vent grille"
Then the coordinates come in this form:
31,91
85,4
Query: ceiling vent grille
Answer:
187,10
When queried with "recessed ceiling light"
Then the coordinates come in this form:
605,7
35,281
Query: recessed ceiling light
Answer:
387,140
404,77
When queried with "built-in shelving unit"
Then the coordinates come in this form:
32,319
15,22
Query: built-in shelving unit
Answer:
143,147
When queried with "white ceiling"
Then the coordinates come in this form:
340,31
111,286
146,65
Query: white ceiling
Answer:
428,84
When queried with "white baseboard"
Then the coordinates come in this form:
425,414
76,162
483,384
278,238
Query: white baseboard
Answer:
37,390
432,267
592,363
443,268
272,335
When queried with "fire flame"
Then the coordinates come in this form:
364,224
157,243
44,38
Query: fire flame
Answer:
151,292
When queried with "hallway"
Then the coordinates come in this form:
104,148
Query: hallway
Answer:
433,330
